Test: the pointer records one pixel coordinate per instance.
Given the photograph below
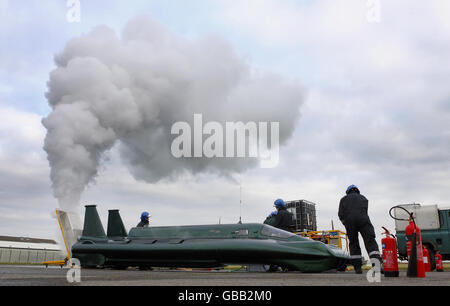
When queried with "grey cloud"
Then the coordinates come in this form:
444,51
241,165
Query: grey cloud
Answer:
130,90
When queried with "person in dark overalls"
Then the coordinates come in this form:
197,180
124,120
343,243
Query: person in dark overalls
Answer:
353,214
283,218
145,216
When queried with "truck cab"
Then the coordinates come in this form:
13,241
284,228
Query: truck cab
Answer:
434,224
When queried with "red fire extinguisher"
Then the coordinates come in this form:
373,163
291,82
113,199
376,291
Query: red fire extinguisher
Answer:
416,266
390,259
439,264
426,259
409,231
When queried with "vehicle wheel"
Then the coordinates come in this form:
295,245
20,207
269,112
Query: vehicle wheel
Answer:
273,269
342,268
342,265
432,260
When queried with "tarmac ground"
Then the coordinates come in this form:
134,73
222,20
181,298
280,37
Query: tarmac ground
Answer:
11,275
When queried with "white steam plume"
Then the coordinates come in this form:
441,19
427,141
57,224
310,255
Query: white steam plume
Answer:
129,90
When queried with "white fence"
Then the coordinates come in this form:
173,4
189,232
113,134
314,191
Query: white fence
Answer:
13,255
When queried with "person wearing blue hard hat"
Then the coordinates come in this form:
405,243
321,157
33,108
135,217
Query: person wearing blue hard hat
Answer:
283,218
145,216
353,213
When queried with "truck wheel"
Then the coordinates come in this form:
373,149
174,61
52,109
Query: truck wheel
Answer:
432,260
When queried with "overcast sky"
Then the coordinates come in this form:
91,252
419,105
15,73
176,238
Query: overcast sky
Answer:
376,111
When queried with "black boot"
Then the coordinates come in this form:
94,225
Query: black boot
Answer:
357,264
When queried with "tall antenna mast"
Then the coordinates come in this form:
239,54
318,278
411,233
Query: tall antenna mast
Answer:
240,202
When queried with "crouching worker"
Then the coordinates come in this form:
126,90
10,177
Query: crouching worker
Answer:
282,218
145,216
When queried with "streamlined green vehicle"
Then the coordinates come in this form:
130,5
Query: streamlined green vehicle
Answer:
205,246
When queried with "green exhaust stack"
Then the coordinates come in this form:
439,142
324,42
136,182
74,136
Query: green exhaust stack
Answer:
93,227
116,229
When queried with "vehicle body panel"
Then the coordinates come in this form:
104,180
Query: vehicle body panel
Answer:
209,246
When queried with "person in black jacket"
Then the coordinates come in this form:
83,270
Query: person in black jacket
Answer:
283,218
145,216
353,214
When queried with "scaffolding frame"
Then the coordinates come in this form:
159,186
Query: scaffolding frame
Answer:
332,237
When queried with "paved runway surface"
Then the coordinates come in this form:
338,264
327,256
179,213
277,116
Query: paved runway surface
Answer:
55,276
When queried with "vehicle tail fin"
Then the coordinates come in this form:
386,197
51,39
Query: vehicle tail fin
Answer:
116,229
93,227
71,228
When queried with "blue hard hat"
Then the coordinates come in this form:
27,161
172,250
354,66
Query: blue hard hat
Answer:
145,215
349,188
279,203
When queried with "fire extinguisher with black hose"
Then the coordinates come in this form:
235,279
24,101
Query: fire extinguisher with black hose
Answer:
416,266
